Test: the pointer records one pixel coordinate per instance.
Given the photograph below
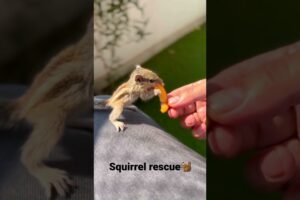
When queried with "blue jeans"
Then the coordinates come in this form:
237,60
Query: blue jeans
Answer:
143,141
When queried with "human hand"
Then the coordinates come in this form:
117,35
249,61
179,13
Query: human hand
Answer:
189,104
254,106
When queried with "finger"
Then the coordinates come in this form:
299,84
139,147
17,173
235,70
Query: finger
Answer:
275,167
222,142
231,141
292,192
201,110
233,75
187,94
175,113
272,169
258,91
179,91
200,132
191,120
191,108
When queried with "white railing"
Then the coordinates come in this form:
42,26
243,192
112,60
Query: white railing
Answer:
168,21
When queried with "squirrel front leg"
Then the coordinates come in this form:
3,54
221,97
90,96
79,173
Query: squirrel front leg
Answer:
116,112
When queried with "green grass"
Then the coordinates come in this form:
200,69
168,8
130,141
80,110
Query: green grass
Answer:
181,63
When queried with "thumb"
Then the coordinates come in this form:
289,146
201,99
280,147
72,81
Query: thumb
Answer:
266,89
187,94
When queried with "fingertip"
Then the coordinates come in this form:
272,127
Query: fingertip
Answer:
173,113
177,112
278,165
189,121
180,101
170,113
199,133
173,101
169,95
271,169
224,142
189,109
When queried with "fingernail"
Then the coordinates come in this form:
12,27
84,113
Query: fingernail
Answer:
190,121
272,166
225,100
199,133
173,113
173,100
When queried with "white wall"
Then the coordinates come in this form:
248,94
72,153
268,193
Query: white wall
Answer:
169,20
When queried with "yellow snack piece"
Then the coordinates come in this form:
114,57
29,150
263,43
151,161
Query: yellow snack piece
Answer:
163,98
164,107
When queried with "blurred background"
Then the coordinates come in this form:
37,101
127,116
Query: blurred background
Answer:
168,37
32,32
238,30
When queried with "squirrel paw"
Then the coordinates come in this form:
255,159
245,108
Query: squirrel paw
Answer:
56,178
120,126
157,92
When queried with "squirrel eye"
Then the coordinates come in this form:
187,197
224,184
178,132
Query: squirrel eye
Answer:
151,81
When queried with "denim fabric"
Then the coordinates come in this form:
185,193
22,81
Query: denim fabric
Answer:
143,141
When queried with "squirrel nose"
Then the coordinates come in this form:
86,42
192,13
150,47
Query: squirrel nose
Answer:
160,82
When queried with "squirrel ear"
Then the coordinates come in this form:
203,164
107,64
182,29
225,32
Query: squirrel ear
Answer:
138,78
138,66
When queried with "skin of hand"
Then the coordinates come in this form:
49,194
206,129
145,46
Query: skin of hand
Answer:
189,104
254,107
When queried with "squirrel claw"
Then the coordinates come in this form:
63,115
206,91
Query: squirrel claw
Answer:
120,126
